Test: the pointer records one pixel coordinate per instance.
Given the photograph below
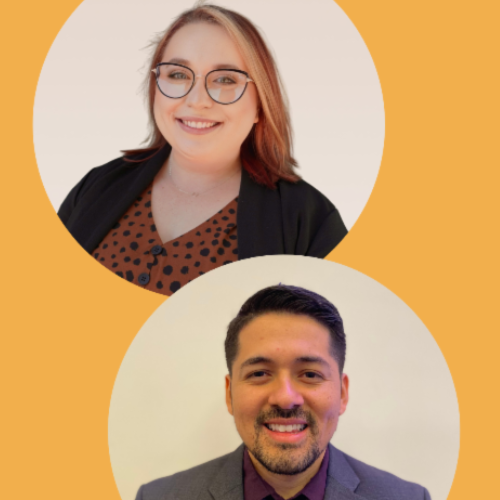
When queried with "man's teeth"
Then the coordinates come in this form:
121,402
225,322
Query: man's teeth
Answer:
199,124
286,428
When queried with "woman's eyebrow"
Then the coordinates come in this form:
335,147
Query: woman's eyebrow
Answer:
226,66
178,60
185,62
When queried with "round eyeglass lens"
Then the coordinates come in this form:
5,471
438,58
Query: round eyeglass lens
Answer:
174,81
226,86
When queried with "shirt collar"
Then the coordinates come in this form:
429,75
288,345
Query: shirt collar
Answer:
255,488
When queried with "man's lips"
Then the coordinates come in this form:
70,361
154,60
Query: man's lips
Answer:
282,423
286,430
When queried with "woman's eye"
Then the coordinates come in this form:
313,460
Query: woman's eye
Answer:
225,80
178,76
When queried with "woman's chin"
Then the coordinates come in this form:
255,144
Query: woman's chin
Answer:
201,153
196,151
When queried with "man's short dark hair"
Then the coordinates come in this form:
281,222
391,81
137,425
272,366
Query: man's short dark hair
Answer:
291,300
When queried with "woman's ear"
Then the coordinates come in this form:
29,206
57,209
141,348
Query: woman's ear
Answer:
257,115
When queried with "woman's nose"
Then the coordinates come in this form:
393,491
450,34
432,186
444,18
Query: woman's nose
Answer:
198,96
285,394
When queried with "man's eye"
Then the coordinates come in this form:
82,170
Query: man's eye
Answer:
258,376
312,375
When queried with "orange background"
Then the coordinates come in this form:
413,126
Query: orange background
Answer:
429,233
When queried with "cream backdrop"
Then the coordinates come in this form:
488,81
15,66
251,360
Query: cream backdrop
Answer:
89,105
167,408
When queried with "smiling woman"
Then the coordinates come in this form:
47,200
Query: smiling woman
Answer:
216,182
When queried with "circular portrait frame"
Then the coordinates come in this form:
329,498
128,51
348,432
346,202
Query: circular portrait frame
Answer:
168,411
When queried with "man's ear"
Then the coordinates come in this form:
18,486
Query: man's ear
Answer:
229,402
344,393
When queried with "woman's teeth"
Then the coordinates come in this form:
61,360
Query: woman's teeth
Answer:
199,124
286,428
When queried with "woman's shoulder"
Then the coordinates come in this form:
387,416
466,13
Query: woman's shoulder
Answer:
300,191
111,181
295,198
122,163
90,179
303,194
125,166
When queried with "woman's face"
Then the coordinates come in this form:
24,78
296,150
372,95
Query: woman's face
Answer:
204,47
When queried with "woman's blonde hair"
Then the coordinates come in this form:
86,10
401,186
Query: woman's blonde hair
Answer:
267,151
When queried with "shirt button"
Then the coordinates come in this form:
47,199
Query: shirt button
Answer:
156,250
143,279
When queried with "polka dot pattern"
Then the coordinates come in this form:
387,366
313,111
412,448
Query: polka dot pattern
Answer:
134,251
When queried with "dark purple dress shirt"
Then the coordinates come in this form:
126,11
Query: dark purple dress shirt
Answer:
255,488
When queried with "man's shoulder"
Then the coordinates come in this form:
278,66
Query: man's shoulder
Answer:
379,484
185,484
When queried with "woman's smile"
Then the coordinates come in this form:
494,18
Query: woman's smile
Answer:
197,126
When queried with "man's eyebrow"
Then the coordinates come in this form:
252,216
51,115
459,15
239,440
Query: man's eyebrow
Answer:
312,359
185,62
257,360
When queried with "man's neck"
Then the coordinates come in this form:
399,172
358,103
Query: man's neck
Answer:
287,486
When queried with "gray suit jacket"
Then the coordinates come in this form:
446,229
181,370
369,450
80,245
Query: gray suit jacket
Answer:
222,479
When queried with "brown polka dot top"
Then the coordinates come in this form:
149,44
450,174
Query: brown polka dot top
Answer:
133,249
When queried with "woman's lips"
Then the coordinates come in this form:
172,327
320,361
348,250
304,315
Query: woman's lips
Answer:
197,127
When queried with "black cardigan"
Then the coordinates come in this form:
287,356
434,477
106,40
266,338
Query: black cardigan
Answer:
294,218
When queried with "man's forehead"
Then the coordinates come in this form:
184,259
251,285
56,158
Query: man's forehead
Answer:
285,333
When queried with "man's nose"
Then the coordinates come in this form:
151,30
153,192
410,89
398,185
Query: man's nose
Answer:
198,96
285,394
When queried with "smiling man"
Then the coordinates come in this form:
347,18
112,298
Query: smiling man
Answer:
286,390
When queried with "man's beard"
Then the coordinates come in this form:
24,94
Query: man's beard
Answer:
285,463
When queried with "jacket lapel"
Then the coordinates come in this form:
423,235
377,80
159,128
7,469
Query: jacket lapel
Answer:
259,220
228,483
342,481
112,196
336,491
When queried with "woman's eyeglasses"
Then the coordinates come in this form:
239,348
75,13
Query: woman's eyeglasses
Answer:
224,86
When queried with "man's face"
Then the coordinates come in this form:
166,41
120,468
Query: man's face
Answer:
285,391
